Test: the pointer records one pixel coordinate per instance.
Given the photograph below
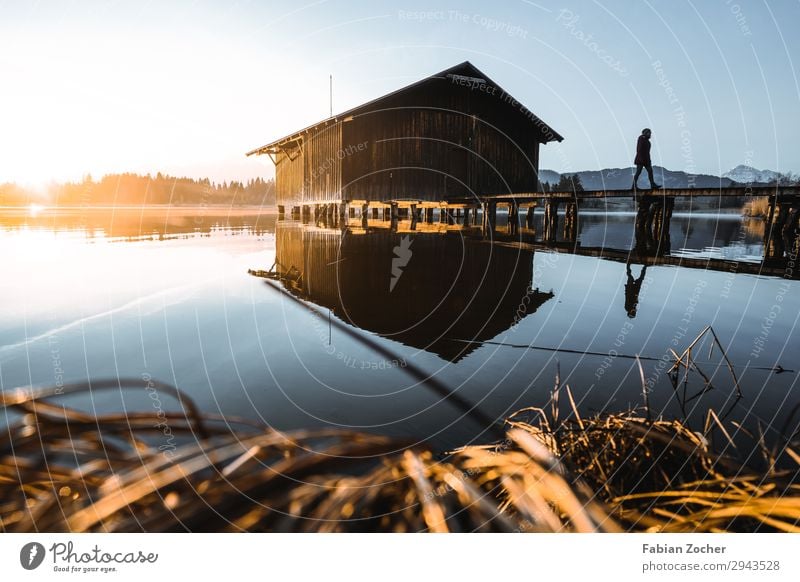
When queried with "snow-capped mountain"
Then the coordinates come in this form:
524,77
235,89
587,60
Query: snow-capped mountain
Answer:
748,175
620,178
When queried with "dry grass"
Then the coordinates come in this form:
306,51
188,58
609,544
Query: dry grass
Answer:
659,475
757,207
63,470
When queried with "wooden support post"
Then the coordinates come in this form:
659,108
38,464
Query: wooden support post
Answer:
529,217
783,209
663,216
768,228
550,219
642,213
492,215
791,222
571,221
513,216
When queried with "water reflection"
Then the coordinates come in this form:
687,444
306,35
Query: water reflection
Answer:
134,224
166,291
435,292
632,289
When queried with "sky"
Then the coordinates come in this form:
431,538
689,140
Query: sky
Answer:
187,87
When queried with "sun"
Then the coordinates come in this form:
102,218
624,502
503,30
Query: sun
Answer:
35,209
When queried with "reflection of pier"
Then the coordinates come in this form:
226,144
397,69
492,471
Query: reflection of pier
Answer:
425,287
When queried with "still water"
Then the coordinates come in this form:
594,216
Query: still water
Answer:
165,293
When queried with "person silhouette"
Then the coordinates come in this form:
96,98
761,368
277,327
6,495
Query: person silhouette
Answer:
642,160
632,289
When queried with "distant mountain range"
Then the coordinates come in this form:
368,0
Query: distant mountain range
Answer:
749,175
621,178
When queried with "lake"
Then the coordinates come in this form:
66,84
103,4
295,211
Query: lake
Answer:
165,293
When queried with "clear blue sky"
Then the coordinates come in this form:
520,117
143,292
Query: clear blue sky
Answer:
188,87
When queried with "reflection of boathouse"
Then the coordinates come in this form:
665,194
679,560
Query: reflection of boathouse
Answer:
424,290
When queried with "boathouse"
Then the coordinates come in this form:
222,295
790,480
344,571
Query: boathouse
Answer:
455,137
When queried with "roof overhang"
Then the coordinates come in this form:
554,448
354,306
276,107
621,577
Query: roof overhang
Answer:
465,71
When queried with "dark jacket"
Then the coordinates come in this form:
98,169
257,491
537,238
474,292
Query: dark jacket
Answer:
642,151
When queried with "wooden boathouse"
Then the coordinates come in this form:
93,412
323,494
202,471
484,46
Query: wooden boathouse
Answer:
454,139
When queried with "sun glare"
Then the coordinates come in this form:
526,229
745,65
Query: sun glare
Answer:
35,209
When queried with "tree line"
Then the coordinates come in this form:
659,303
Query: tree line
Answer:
136,190
566,183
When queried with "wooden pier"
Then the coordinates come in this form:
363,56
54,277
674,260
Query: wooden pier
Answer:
654,209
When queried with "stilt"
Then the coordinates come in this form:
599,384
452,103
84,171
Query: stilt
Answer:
550,219
513,217
642,213
529,216
791,223
414,216
571,221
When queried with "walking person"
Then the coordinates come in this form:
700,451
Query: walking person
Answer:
642,160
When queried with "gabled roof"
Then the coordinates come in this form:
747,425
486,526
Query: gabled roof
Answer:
466,70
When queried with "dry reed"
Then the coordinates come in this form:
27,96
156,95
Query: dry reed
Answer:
64,470
757,207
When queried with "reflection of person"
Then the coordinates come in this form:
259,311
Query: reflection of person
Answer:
632,288
642,160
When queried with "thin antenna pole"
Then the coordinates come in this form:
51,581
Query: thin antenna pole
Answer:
331,94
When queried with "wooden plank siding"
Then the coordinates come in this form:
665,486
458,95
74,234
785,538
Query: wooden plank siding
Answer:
433,155
289,177
440,139
310,171
323,168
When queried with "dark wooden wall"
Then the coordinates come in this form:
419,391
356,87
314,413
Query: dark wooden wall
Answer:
438,141
433,155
